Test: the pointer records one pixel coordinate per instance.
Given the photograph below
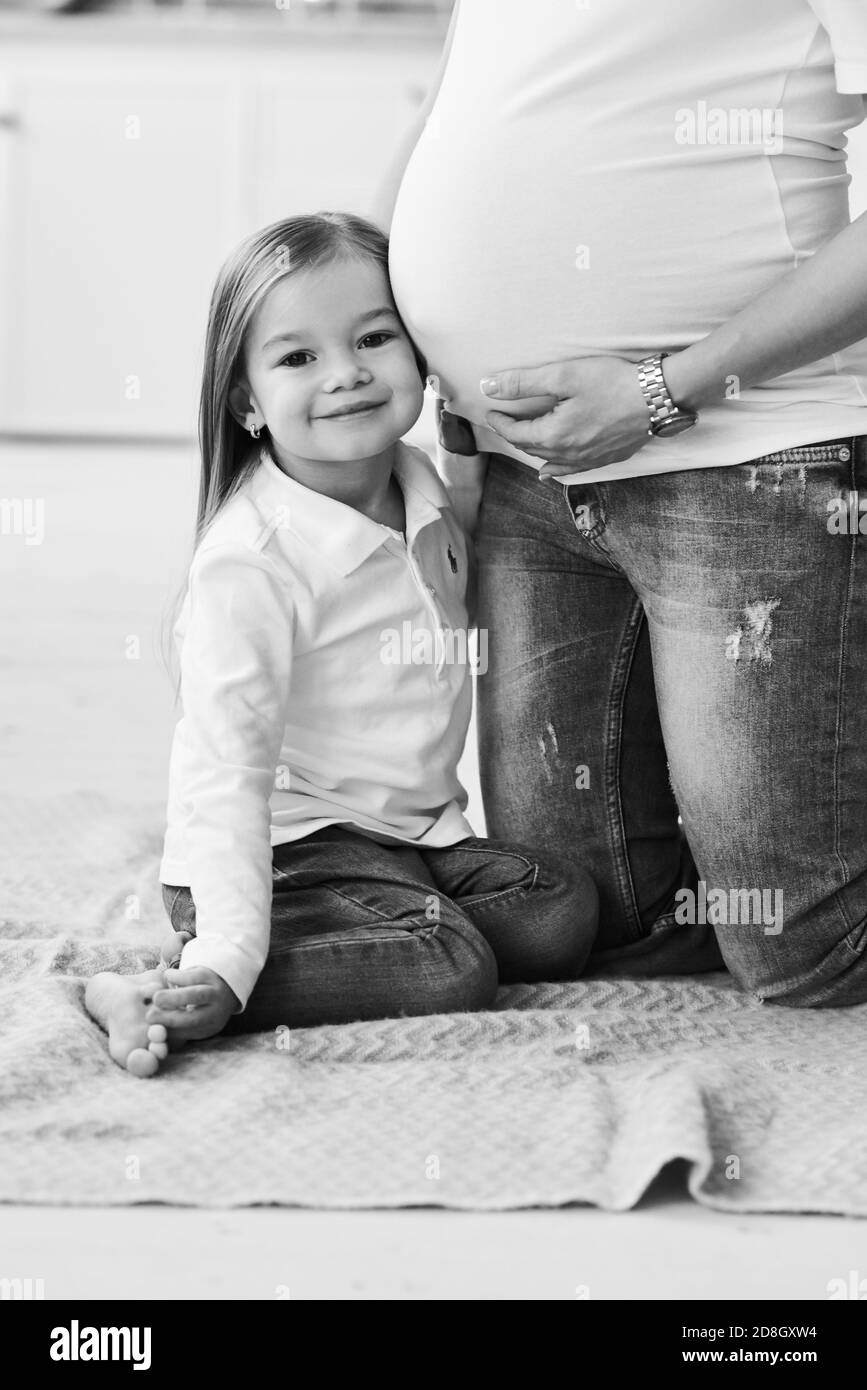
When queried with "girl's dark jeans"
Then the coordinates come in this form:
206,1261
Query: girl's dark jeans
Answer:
361,930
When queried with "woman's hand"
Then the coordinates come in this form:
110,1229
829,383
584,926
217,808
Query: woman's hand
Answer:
197,1003
600,416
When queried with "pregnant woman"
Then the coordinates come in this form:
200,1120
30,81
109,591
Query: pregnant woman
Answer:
622,241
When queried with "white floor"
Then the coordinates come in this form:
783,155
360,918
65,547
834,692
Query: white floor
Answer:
76,712
667,1249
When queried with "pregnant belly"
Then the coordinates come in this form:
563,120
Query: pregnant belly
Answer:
498,260
472,291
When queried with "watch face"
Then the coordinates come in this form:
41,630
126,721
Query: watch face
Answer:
676,425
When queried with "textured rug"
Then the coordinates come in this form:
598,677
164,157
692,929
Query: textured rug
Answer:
562,1093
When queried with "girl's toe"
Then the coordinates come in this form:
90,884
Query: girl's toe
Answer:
142,1062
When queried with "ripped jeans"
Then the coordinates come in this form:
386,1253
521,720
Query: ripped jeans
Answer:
690,647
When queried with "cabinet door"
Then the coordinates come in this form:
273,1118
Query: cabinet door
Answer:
326,136
120,203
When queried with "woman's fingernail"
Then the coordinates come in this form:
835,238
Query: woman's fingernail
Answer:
489,385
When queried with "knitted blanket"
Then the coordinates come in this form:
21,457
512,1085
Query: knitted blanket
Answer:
561,1093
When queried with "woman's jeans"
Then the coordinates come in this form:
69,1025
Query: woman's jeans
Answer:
361,930
690,644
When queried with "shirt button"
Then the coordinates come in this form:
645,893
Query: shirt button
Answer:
431,588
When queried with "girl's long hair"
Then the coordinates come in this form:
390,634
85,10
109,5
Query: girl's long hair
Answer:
262,260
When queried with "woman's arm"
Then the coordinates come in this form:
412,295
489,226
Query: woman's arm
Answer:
812,312
386,196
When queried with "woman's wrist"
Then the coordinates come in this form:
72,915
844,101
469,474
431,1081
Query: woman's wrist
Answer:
695,378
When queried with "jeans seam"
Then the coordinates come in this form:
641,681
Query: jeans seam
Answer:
495,899
614,798
861,927
838,731
665,919
344,939
384,916
492,853
484,899
483,849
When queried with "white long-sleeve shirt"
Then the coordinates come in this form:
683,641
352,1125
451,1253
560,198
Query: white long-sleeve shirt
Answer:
324,679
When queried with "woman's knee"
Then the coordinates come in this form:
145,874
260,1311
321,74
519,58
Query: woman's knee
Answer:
835,977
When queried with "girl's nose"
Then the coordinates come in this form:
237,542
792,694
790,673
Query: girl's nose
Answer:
346,373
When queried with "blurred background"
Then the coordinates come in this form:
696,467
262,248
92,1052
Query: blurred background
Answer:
138,142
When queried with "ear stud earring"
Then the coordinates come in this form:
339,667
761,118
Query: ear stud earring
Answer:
255,431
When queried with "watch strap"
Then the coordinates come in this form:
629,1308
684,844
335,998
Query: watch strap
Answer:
655,391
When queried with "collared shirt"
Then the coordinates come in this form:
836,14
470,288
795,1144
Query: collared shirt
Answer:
324,679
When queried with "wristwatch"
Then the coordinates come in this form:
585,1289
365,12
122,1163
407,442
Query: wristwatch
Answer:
665,417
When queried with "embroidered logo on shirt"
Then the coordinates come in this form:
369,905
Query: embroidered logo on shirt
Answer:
452,561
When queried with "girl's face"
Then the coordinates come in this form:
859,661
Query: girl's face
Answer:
329,366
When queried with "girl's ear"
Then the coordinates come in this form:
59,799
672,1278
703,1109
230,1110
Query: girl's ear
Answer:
240,404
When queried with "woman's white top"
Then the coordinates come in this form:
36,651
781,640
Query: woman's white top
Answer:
619,177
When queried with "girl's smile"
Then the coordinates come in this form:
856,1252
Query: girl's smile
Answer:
353,412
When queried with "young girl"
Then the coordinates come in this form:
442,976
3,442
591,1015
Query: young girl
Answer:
317,866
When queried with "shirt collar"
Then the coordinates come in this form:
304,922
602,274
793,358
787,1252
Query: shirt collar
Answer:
343,536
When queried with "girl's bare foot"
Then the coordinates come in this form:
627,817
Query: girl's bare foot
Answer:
119,1004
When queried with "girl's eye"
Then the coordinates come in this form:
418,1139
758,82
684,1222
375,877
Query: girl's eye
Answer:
293,359
376,339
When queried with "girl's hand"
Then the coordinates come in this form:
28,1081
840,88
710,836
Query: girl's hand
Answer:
600,415
197,1003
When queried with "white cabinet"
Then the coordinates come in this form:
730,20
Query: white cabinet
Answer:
125,178
118,209
326,139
